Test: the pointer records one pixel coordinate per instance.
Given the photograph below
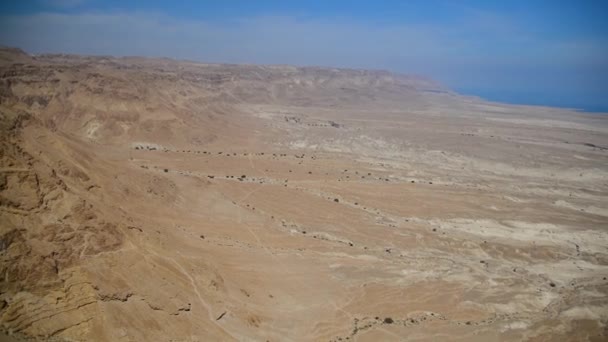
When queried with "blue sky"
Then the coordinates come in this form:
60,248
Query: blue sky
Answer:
534,52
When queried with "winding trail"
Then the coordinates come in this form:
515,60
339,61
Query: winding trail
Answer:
182,270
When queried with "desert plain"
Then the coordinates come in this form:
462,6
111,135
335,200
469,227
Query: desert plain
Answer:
161,200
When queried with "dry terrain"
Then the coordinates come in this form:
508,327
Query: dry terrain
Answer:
160,200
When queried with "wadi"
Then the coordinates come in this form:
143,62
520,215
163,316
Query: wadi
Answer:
162,200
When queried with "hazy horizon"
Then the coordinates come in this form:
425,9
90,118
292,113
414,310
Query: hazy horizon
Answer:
541,53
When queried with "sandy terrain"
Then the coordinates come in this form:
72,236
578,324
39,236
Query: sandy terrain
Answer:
155,200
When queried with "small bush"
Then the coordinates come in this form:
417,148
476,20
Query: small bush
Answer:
166,170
